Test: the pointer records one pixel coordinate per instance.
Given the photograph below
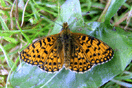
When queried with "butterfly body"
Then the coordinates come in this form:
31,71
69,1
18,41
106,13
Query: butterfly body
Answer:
66,41
77,52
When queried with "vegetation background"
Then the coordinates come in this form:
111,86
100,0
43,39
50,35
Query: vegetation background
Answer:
21,23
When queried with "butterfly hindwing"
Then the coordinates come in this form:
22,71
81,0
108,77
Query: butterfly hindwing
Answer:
54,62
78,60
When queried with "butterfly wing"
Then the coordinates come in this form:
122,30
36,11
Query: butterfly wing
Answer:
89,51
44,53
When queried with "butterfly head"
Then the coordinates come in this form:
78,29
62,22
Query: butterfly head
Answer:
65,26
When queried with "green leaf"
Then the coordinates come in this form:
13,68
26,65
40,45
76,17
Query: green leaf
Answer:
112,10
70,13
3,24
9,39
31,76
8,60
2,34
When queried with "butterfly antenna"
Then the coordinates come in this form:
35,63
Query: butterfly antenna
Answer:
78,19
74,21
49,20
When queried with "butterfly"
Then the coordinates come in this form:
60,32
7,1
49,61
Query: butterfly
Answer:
75,51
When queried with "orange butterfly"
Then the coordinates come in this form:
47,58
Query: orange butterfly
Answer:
77,52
